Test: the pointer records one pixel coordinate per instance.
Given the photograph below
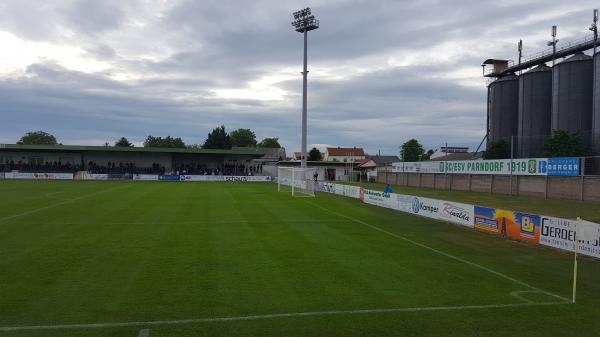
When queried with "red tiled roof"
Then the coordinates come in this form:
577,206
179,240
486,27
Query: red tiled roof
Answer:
346,151
366,163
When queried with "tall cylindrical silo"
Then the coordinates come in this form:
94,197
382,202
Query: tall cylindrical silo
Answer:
503,108
535,111
596,114
572,96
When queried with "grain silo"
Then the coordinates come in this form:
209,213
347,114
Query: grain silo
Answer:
572,95
535,111
596,113
503,108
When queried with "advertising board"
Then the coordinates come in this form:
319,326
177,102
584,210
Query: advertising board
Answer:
530,166
382,199
485,220
564,166
92,176
419,167
39,176
246,178
146,177
352,191
560,233
457,213
425,207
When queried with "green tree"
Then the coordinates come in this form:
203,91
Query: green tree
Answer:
169,142
427,155
123,142
37,138
243,138
270,143
314,154
412,150
218,139
565,144
498,149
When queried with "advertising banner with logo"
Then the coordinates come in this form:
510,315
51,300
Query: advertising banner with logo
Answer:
522,226
39,176
419,167
423,206
326,187
485,220
146,177
560,233
171,178
516,225
352,191
536,166
564,166
247,178
458,213
92,176
382,199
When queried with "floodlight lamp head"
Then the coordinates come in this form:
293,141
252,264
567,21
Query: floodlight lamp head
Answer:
304,21
553,31
595,15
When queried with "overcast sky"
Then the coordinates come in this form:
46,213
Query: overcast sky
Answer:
381,72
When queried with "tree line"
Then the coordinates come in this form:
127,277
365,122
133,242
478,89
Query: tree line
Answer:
561,144
218,138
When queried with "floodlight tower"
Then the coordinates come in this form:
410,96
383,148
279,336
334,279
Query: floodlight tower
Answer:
304,22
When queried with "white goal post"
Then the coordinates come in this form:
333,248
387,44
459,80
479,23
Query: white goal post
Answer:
299,181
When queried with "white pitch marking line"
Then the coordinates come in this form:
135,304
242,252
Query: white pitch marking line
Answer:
442,253
270,316
144,333
517,294
60,203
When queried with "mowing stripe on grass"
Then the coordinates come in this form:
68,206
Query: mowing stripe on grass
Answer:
398,236
61,203
144,333
271,316
209,222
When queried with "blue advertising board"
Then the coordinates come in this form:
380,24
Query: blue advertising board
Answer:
564,166
171,178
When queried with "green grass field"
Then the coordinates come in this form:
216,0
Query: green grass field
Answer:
233,259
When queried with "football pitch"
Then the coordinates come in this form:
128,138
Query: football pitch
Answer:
240,259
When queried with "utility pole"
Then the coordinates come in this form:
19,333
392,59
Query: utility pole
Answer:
303,23
553,44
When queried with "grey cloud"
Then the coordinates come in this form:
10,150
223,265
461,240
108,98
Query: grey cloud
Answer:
227,44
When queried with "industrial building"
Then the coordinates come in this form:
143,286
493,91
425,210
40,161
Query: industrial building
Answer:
555,90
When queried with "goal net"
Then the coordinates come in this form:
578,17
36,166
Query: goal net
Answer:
298,181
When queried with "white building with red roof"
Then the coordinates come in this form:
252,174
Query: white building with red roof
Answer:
344,154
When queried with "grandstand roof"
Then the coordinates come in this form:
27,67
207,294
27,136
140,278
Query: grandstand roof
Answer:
85,148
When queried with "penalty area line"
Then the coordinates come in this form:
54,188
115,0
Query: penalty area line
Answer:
271,316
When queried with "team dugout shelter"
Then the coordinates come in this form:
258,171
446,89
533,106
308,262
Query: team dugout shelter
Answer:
135,160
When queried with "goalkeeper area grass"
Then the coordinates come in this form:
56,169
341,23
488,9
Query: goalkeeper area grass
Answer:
240,259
